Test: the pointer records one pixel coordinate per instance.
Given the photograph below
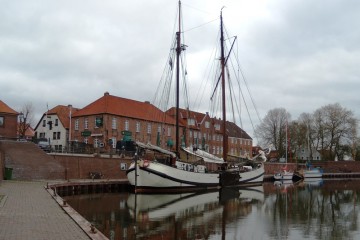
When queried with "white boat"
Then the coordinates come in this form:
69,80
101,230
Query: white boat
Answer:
313,173
175,174
284,174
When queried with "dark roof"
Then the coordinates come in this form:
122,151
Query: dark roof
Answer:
236,131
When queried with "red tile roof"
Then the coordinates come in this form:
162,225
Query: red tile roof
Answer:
63,112
6,109
124,107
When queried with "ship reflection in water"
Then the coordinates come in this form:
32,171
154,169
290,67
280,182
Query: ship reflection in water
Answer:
284,210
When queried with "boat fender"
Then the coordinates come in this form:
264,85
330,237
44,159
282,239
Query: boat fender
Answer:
146,163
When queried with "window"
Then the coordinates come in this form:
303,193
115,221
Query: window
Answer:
56,135
56,122
138,127
191,122
169,132
42,135
98,122
127,125
159,129
86,140
86,123
77,124
96,143
207,124
149,128
217,127
113,142
113,123
1,121
44,123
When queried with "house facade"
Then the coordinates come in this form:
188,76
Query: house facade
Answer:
202,131
305,153
8,121
110,119
54,126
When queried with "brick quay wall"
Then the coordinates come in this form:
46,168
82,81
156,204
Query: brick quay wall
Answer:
80,167
327,166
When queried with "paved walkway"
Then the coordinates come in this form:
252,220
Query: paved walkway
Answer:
28,211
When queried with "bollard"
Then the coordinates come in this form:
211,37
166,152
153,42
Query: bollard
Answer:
64,203
93,229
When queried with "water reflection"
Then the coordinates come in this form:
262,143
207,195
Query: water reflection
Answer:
315,210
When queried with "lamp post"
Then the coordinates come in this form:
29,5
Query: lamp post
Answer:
70,109
21,117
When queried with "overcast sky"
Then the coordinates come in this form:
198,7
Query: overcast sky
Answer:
298,54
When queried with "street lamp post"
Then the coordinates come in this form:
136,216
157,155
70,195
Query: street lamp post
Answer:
22,122
69,140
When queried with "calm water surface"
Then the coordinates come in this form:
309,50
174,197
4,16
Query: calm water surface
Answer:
304,210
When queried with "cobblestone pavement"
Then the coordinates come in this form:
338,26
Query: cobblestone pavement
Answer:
28,211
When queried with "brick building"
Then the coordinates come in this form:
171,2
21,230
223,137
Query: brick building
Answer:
8,121
206,133
110,119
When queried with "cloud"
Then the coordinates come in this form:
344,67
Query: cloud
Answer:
299,55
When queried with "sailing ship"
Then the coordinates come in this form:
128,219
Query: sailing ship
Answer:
171,173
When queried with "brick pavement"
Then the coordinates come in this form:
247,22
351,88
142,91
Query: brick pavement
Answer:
29,212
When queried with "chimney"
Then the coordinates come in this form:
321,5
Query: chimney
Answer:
106,94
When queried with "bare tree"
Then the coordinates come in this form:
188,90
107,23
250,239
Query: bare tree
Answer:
25,119
334,126
272,130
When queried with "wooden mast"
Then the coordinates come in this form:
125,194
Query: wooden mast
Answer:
222,60
178,52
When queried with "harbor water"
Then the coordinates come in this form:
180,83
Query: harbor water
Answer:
317,209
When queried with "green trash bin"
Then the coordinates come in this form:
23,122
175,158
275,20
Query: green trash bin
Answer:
8,173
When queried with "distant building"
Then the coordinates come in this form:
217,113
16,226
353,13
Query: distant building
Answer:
8,121
54,126
305,153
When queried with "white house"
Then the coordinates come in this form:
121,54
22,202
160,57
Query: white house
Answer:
54,126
